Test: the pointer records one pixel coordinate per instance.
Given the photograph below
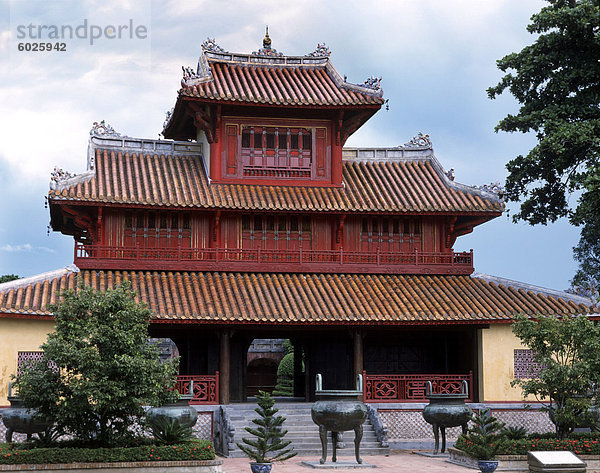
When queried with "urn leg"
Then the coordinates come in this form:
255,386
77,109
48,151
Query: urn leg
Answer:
323,436
9,433
464,428
358,434
436,436
443,429
334,444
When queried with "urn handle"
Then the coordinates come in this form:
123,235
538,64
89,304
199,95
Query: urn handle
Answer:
319,382
428,388
359,383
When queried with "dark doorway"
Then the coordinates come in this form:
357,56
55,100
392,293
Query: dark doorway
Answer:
261,376
264,355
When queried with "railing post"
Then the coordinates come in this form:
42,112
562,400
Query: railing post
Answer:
416,257
300,253
342,257
377,256
258,255
216,399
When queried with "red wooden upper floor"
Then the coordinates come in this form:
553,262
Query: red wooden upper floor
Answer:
147,204
268,118
194,241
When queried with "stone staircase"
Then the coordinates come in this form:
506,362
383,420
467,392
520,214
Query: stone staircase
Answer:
302,431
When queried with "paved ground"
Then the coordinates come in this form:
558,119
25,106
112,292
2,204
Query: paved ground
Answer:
401,461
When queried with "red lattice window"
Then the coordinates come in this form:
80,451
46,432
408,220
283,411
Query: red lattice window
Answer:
525,365
268,151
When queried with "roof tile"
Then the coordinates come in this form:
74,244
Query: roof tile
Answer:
174,180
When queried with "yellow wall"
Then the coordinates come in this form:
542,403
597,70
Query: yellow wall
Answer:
496,364
18,335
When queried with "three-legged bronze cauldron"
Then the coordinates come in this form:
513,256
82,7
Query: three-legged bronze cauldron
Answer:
337,411
20,419
446,410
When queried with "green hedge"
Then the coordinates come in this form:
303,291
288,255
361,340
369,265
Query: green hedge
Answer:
581,445
192,450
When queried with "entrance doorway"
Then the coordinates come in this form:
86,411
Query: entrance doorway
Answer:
264,356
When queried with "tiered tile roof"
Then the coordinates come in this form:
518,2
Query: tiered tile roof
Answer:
302,299
266,78
414,182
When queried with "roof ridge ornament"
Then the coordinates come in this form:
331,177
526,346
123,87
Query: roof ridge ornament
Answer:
267,40
168,117
58,176
189,73
320,51
419,141
493,188
103,129
372,83
210,44
266,50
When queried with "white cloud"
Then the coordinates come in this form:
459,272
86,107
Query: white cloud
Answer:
5,37
26,248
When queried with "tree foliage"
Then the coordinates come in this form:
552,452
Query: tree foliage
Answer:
98,369
567,352
484,439
269,445
557,82
8,277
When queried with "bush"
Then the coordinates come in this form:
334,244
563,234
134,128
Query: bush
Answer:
191,450
582,443
98,368
514,433
285,376
168,431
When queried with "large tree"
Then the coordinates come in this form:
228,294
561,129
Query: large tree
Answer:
556,80
98,369
567,353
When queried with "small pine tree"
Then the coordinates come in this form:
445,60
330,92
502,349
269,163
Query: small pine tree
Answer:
269,445
485,438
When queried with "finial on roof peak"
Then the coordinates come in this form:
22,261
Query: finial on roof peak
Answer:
267,50
267,40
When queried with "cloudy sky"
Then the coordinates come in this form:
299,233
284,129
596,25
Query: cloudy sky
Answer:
436,58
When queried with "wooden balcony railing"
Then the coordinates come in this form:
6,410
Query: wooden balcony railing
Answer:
206,388
242,259
411,387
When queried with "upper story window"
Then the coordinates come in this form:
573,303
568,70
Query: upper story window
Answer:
277,149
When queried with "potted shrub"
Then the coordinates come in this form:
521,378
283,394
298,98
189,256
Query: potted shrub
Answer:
269,445
484,439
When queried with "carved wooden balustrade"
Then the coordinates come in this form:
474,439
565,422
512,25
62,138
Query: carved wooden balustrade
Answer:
411,387
246,259
206,388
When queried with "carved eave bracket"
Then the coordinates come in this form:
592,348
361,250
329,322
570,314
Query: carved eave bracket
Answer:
208,121
82,227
